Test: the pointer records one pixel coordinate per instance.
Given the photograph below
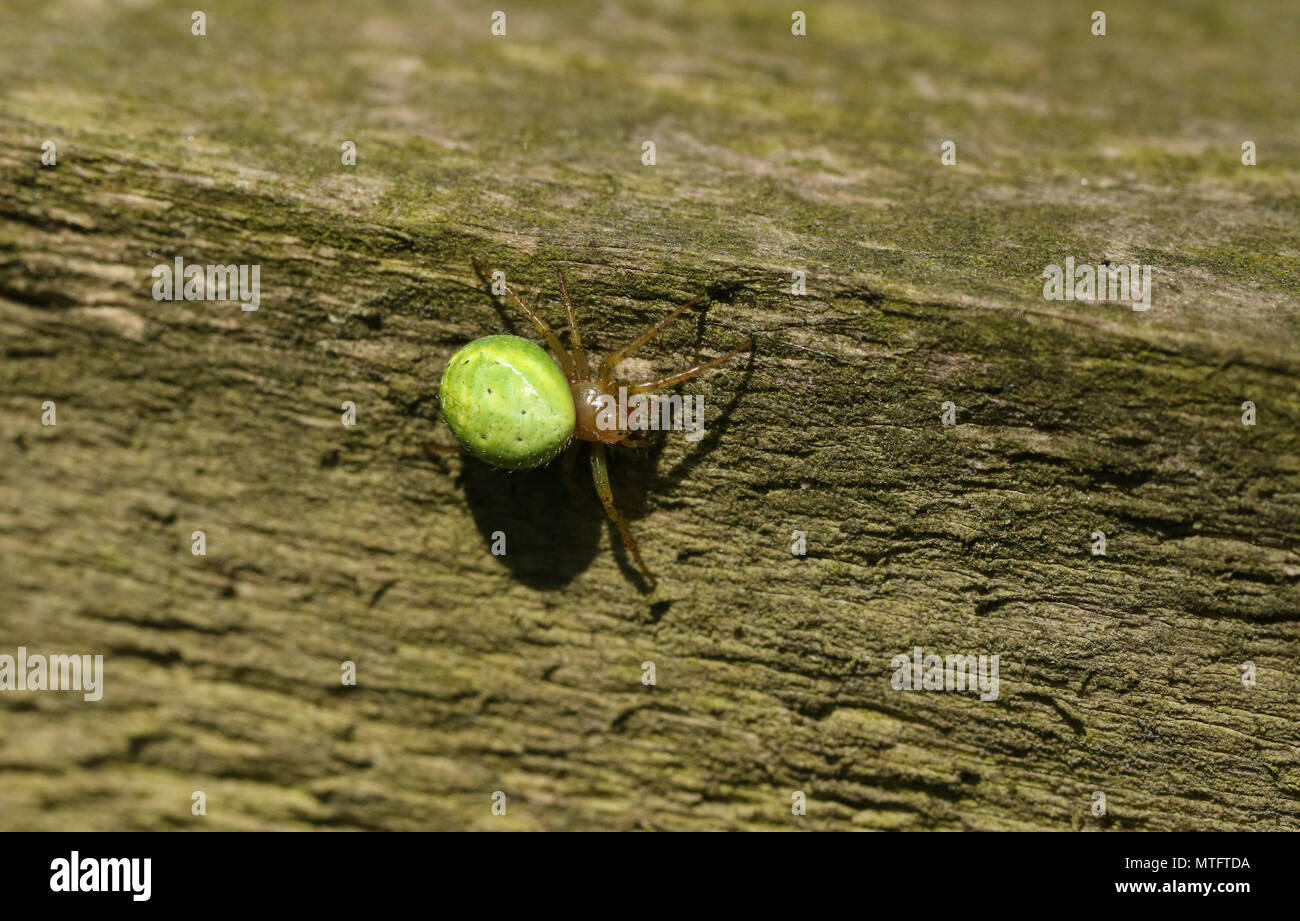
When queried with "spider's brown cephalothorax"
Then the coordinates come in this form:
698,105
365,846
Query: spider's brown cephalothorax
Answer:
587,407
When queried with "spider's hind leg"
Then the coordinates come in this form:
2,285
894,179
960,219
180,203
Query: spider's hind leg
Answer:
611,360
543,328
575,337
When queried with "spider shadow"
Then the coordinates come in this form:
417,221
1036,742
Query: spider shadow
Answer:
698,450
635,475
549,537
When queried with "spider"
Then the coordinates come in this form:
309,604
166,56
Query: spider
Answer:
508,404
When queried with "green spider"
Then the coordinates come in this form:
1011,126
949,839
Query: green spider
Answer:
508,403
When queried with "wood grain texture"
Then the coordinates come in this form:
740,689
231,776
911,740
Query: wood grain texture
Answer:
522,673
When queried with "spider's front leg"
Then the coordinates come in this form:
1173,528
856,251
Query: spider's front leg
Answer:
661,383
600,473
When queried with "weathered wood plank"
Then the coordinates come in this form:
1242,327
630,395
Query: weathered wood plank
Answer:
522,674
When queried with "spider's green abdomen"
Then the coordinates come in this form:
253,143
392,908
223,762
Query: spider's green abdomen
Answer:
507,402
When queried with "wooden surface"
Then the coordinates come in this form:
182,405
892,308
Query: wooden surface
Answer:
522,674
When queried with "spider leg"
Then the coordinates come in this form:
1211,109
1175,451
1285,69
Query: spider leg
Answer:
575,338
600,474
611,361
542,327
567,463
686,375
637,440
